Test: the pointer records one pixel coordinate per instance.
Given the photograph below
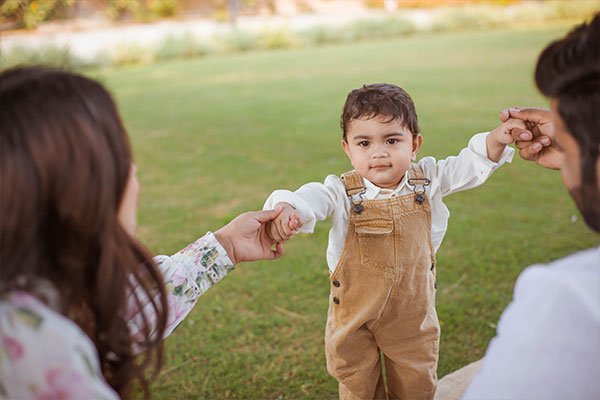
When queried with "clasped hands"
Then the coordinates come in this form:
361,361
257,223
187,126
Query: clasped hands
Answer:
536,140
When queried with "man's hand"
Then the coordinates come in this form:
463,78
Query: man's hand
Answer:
245,237
535,143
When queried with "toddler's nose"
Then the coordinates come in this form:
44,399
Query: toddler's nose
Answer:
379,154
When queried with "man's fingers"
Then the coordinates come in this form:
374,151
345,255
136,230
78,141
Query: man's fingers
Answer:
521,135
544,141
531,151
504,115
533,114
522,145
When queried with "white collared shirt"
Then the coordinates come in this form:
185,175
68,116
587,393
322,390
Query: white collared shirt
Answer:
316,201
547,344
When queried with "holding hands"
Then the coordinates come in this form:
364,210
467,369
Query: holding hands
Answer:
536,141
246,238
499,138
285,225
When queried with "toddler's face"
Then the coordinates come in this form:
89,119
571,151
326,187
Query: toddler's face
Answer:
380,151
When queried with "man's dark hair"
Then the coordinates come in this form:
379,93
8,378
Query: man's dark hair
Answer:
568,70
380,99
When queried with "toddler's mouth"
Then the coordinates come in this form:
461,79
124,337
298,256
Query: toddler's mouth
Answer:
381,166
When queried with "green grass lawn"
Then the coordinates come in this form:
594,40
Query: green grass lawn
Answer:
214,137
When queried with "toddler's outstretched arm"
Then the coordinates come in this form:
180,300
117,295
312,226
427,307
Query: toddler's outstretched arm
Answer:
285,225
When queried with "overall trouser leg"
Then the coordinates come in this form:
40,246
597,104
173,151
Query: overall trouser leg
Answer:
383,302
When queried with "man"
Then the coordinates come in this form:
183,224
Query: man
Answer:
548,339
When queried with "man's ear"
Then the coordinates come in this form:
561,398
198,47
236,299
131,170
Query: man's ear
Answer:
417,142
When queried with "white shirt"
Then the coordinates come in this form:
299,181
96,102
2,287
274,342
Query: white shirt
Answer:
316,201
547,344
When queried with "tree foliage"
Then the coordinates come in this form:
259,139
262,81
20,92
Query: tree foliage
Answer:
30,13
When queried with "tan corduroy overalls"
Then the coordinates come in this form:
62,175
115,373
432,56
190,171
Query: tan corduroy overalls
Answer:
383,298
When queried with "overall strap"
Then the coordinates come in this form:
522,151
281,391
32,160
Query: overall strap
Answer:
418,181
416,172
353,183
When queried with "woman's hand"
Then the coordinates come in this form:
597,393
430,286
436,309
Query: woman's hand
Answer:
245,237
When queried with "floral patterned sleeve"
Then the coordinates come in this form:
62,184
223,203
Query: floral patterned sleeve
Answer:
45,355
188,274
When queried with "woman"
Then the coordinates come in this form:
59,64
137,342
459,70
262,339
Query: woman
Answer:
80,298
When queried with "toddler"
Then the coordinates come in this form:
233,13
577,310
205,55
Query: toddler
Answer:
388,222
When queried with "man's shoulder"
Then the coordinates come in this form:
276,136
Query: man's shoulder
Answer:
573,267
576,276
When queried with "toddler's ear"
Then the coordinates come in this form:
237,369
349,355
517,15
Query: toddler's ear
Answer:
417,142
346,148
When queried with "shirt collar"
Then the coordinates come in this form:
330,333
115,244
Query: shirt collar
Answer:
373,190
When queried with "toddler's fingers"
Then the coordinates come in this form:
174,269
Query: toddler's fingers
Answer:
294,222
288,226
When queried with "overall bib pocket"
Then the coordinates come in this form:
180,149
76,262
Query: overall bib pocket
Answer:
376,243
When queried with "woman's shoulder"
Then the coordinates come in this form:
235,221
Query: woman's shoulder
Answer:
23,310
43,352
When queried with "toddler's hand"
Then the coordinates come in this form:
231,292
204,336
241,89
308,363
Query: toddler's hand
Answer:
285,225
503,134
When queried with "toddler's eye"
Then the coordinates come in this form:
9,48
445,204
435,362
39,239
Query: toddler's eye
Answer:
364,143
392,141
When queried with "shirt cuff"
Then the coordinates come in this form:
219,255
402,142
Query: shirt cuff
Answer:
301,206
485,166
206,260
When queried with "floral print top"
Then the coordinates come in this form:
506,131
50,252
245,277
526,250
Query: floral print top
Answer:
45,355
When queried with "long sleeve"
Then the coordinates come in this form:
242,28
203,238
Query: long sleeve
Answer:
469,169
187,274
314,201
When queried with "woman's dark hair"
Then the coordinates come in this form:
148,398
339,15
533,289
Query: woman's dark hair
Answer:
64,165
569,70
380,99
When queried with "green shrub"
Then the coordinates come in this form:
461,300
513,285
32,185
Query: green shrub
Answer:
378,28
49,55
130,53
321,34
182,46
278,39
239,41
468,18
